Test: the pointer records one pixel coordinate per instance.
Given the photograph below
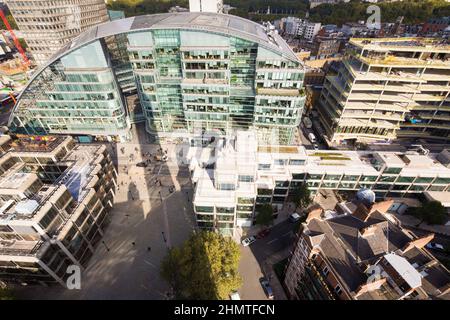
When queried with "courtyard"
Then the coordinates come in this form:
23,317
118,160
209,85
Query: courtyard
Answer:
152,212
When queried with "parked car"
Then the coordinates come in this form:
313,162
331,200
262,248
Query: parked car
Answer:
312,138
235,296
435,246
307,122
162,158
294,217
316,146
267,288
248,241
262,234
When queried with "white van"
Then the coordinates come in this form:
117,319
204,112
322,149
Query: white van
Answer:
312,138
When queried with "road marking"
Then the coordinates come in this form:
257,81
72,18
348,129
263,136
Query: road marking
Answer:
271,241
288,233
149,263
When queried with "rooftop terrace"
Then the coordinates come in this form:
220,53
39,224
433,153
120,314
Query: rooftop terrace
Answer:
402,44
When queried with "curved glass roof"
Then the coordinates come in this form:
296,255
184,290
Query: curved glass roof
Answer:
201,21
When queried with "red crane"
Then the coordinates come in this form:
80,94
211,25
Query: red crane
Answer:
16,41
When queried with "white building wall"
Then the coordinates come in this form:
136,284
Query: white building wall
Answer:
215,6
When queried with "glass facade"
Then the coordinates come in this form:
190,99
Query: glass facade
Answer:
176,80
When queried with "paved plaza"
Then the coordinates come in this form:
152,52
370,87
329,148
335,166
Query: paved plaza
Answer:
152,212
145,221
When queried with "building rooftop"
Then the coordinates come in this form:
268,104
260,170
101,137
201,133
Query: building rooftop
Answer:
25,143
402,44
351,243
77,165
201,21
267,163
405,270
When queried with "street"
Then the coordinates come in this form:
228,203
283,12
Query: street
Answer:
279,238
257,261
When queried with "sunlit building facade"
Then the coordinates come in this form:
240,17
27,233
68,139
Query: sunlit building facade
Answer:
55,200
175,72
388,89
233,178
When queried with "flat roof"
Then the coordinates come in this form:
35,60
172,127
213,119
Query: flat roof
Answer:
405,270
391,159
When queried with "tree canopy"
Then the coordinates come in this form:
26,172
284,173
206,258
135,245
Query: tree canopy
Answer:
302,196
11,22
414,11
205,267
432,212
265,215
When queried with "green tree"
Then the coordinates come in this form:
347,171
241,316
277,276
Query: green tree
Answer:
23,43
302,196
432,212
11,22
265,215
205,267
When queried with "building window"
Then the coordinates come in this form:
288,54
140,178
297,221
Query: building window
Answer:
204,209
243,178
279,162
338,289
296,162
392,170
226,186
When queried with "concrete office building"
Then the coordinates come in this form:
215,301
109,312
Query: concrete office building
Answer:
48,25
300,27
177,72
234,176
363,253
55,196
388,89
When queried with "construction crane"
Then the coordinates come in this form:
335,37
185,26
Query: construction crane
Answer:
16,41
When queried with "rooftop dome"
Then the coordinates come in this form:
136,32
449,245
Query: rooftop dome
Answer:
366,196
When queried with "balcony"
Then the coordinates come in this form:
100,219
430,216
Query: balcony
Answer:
204,81
392,60
280,92
20,248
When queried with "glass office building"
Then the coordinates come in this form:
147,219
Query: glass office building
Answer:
179,73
